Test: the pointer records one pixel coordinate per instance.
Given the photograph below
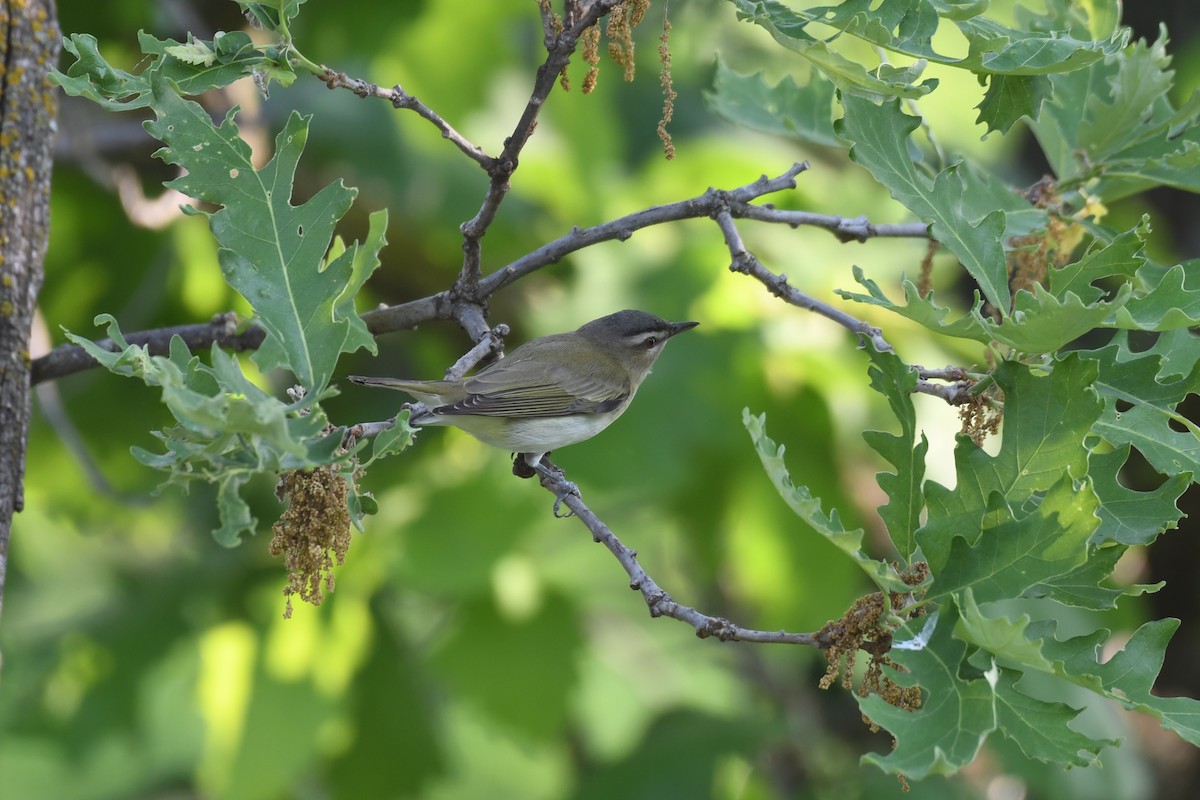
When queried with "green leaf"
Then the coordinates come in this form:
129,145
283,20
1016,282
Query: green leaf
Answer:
1009,555
363,263
271,16
808,508
1128,677
1046,420
878,137
908,28
1114,122
235,512
924,310
1007,640
271,252
393,440
1039,322
1173,302
1152,388
1143,378
896,380
195,52
1148,429
1083,587
956,714
1130,517
1041,729
1137,81
218,399
228,429
1122,258
847,74
193,68
91,76
785,109
1011,97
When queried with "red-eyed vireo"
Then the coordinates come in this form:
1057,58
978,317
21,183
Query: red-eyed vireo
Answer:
549,392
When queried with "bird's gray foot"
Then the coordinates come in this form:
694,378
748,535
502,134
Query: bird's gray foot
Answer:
552,476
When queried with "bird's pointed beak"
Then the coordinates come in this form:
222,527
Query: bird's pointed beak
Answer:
680,327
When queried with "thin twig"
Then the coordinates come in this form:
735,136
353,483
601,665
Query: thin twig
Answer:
558,54
956,394
657,600
365,430
947,373
473,319
746,263
735,201
857,229
402,99
491,343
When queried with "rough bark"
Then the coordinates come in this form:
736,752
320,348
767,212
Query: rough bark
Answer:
29,46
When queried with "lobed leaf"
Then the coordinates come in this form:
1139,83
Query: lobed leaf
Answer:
1006,639
1010,97
785,109
1128,677
808,508
228,429
957,712
896,381
1114,121
1046,421
1042,729
272,253
1009,554
1084,586
877,137
1130,517
1039,322
193,67
847,74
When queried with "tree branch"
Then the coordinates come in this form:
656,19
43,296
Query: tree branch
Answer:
955,394
657,600
222,330
402,99
69,359
559,48
858,229
489,344
737,201
746,263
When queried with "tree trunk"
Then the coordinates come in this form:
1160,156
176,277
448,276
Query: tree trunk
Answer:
29,46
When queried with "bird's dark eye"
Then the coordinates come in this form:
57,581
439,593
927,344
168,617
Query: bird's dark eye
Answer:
649,342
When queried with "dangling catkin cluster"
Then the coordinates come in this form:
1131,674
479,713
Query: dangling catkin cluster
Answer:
862,628
664,55
1032,256
623,18
313,531
980,417
591,54
621,22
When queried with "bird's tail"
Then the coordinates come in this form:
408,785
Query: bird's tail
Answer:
386,383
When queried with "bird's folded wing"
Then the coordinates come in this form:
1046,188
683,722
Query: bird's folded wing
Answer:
516,388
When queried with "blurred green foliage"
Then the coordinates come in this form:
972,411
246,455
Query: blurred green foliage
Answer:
475,646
